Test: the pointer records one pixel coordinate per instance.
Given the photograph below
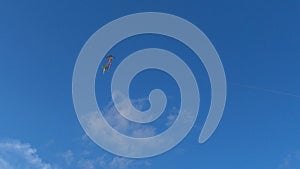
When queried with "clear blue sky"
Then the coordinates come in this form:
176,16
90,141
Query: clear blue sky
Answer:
258,43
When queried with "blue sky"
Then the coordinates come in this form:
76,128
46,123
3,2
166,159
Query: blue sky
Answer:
257,42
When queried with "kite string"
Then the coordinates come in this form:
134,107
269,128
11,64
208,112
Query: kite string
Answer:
264,89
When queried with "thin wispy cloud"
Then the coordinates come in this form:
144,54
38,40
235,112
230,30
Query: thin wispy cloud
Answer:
291,161
17,155
111,162
123,125
122,163
108,128
87,163
4,164
171,117
68,156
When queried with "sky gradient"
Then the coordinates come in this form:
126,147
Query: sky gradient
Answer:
258,44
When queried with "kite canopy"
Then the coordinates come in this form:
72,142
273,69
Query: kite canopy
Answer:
107,66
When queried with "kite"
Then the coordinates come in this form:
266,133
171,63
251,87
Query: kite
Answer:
107,66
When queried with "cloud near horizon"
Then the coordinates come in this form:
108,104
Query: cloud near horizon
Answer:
17,155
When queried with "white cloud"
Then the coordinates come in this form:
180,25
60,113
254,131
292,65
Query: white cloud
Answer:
68,156
99,130
291,161
105,162
87,163
121,124
89,160
144,132
4,164
16,155
122,163
172,116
